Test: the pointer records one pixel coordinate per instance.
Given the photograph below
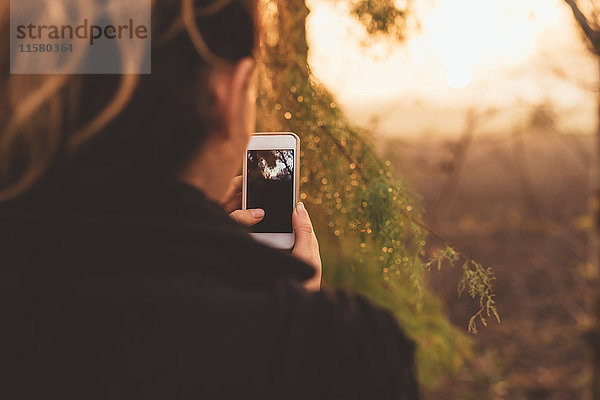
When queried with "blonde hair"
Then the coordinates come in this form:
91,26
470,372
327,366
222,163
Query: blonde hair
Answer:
34,131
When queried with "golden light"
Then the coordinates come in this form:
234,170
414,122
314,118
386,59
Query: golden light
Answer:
458,77
459,42
465,52
470,35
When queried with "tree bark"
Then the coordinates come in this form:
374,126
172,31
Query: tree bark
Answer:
592,34
589,29
594,256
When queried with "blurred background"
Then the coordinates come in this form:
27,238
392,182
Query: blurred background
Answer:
480,117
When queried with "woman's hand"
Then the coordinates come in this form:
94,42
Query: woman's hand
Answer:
307,245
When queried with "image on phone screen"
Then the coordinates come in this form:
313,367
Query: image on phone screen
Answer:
270,186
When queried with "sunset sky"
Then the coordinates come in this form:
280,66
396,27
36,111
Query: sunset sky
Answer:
511,55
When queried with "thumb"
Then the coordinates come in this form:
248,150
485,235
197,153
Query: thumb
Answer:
248,217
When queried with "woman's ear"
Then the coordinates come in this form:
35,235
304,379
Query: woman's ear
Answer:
235,95
248,108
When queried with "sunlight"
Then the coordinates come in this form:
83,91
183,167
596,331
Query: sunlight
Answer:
468,35
459,43
458,77
487,53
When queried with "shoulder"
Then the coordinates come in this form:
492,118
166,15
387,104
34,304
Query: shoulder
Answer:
348,347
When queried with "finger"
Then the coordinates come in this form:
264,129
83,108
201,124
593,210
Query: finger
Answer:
234,203
235,185
306,246
248,217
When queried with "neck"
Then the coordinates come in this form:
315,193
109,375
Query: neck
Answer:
210,172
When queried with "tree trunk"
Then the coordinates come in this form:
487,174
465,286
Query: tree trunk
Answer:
594,257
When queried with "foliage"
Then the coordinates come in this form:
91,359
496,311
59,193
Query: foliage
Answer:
380,17
367,221
476,281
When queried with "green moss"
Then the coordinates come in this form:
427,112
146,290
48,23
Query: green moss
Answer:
366,220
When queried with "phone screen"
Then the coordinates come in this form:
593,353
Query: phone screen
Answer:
270,186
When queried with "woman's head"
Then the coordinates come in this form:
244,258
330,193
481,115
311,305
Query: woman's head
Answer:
194,111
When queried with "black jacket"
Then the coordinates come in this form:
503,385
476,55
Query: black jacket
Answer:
151,291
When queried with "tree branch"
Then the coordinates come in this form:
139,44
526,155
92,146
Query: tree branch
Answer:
591,34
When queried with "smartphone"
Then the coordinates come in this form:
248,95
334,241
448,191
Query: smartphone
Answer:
271,171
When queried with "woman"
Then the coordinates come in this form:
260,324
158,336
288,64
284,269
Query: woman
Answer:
121,274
